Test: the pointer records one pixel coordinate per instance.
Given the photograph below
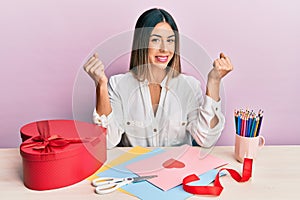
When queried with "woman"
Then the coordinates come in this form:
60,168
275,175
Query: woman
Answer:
154,104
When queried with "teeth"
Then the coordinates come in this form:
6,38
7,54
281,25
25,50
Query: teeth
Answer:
162,58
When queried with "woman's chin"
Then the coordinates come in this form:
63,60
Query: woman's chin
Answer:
161,66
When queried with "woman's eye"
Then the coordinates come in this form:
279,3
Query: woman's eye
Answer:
155,40
171,40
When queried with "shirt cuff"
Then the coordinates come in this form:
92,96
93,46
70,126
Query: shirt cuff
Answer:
101,120
211,106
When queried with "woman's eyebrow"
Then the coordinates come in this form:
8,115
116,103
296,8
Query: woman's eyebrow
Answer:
171,36
161,36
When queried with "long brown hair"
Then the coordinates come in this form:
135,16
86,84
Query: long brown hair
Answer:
139,54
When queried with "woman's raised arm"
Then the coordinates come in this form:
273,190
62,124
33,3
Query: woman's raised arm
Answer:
95,68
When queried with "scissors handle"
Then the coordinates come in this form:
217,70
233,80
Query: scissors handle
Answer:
107,185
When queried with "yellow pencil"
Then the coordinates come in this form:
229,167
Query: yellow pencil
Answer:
257,122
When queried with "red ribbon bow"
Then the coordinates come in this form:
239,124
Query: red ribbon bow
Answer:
45,141
217,188
41,143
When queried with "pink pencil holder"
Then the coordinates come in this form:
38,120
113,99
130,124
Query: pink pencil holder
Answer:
247,147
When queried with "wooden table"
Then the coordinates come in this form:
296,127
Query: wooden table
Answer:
276,175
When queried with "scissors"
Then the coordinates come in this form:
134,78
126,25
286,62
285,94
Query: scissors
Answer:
106,185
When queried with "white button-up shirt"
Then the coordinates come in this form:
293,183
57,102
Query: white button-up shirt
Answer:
183,113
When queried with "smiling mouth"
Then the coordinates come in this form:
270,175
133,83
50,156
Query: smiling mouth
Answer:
162,59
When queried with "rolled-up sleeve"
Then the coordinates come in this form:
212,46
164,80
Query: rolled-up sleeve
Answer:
203,110
111,122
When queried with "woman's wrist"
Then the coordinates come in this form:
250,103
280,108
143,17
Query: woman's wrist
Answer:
103,106
215,81
213,88
102,87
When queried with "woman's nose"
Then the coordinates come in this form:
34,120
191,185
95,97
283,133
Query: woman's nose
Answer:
162,46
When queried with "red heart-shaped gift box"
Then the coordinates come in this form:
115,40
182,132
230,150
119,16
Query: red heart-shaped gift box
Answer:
58,153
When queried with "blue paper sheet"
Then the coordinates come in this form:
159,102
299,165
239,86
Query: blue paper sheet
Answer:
145,190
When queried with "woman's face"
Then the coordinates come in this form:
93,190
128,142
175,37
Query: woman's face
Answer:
161,45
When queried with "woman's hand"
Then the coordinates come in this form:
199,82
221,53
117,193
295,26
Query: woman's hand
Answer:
95,68
222,66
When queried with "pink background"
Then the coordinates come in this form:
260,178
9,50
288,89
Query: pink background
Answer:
43,45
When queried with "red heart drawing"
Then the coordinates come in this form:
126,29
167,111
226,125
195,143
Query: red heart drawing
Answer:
172,163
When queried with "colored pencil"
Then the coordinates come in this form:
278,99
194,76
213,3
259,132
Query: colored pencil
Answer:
248,124
260,122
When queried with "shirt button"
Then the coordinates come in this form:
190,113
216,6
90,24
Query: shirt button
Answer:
216,109
155,130
183,124
128,123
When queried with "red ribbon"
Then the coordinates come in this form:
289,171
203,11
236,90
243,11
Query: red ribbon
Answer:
217,188
45,141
